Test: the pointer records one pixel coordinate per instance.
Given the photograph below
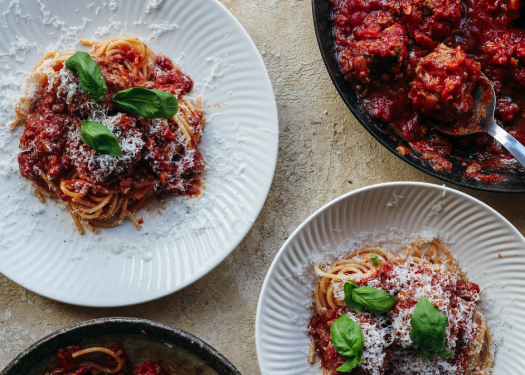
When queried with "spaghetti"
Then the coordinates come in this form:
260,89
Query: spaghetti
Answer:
160,157
424,269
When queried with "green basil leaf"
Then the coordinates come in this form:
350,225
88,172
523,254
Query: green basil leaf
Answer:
423,353
375,259
100,138
347,338
89,74
349,365
148,103
445,354
376,300
428,326
348,288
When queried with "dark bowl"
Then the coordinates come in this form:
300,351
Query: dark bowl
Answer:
322,12
142,339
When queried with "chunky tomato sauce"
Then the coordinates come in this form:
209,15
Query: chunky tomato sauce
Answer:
156,159
319,330
407,59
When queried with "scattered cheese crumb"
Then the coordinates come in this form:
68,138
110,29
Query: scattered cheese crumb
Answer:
159,28
153,4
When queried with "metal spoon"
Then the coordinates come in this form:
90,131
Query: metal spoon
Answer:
482,120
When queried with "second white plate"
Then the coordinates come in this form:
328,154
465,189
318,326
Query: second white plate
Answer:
386,215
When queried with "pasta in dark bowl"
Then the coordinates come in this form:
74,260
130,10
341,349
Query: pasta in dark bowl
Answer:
123,346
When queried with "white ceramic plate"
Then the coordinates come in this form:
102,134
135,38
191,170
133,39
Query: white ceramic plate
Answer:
388,214
39,246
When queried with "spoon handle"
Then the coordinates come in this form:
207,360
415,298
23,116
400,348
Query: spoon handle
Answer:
508,141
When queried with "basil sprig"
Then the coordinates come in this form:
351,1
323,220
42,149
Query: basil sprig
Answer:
100,138
89,75
374,258
428,330
376,300
348,340
148,103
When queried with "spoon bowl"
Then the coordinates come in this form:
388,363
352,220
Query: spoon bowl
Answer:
481,120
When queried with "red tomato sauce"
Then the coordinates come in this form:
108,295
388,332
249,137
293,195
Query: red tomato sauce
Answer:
388,52
319,330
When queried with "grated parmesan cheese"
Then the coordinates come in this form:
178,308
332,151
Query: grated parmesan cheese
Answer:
159,28
10,89
376,341
103,166
216,73
17,13
396,200
113,23
20,44
69,85
408,362
153,4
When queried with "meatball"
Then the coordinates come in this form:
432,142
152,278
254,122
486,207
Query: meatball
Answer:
71,100
42,145
105,168
168,156
380,42
428,20
444,82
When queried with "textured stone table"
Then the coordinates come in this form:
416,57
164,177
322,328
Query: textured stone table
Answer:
323,153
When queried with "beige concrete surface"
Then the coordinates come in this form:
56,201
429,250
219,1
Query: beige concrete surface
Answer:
323,153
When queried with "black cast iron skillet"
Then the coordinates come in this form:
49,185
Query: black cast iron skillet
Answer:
322,13
142,340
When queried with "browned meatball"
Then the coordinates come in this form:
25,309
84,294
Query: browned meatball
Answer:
443,85
380,41
105,168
